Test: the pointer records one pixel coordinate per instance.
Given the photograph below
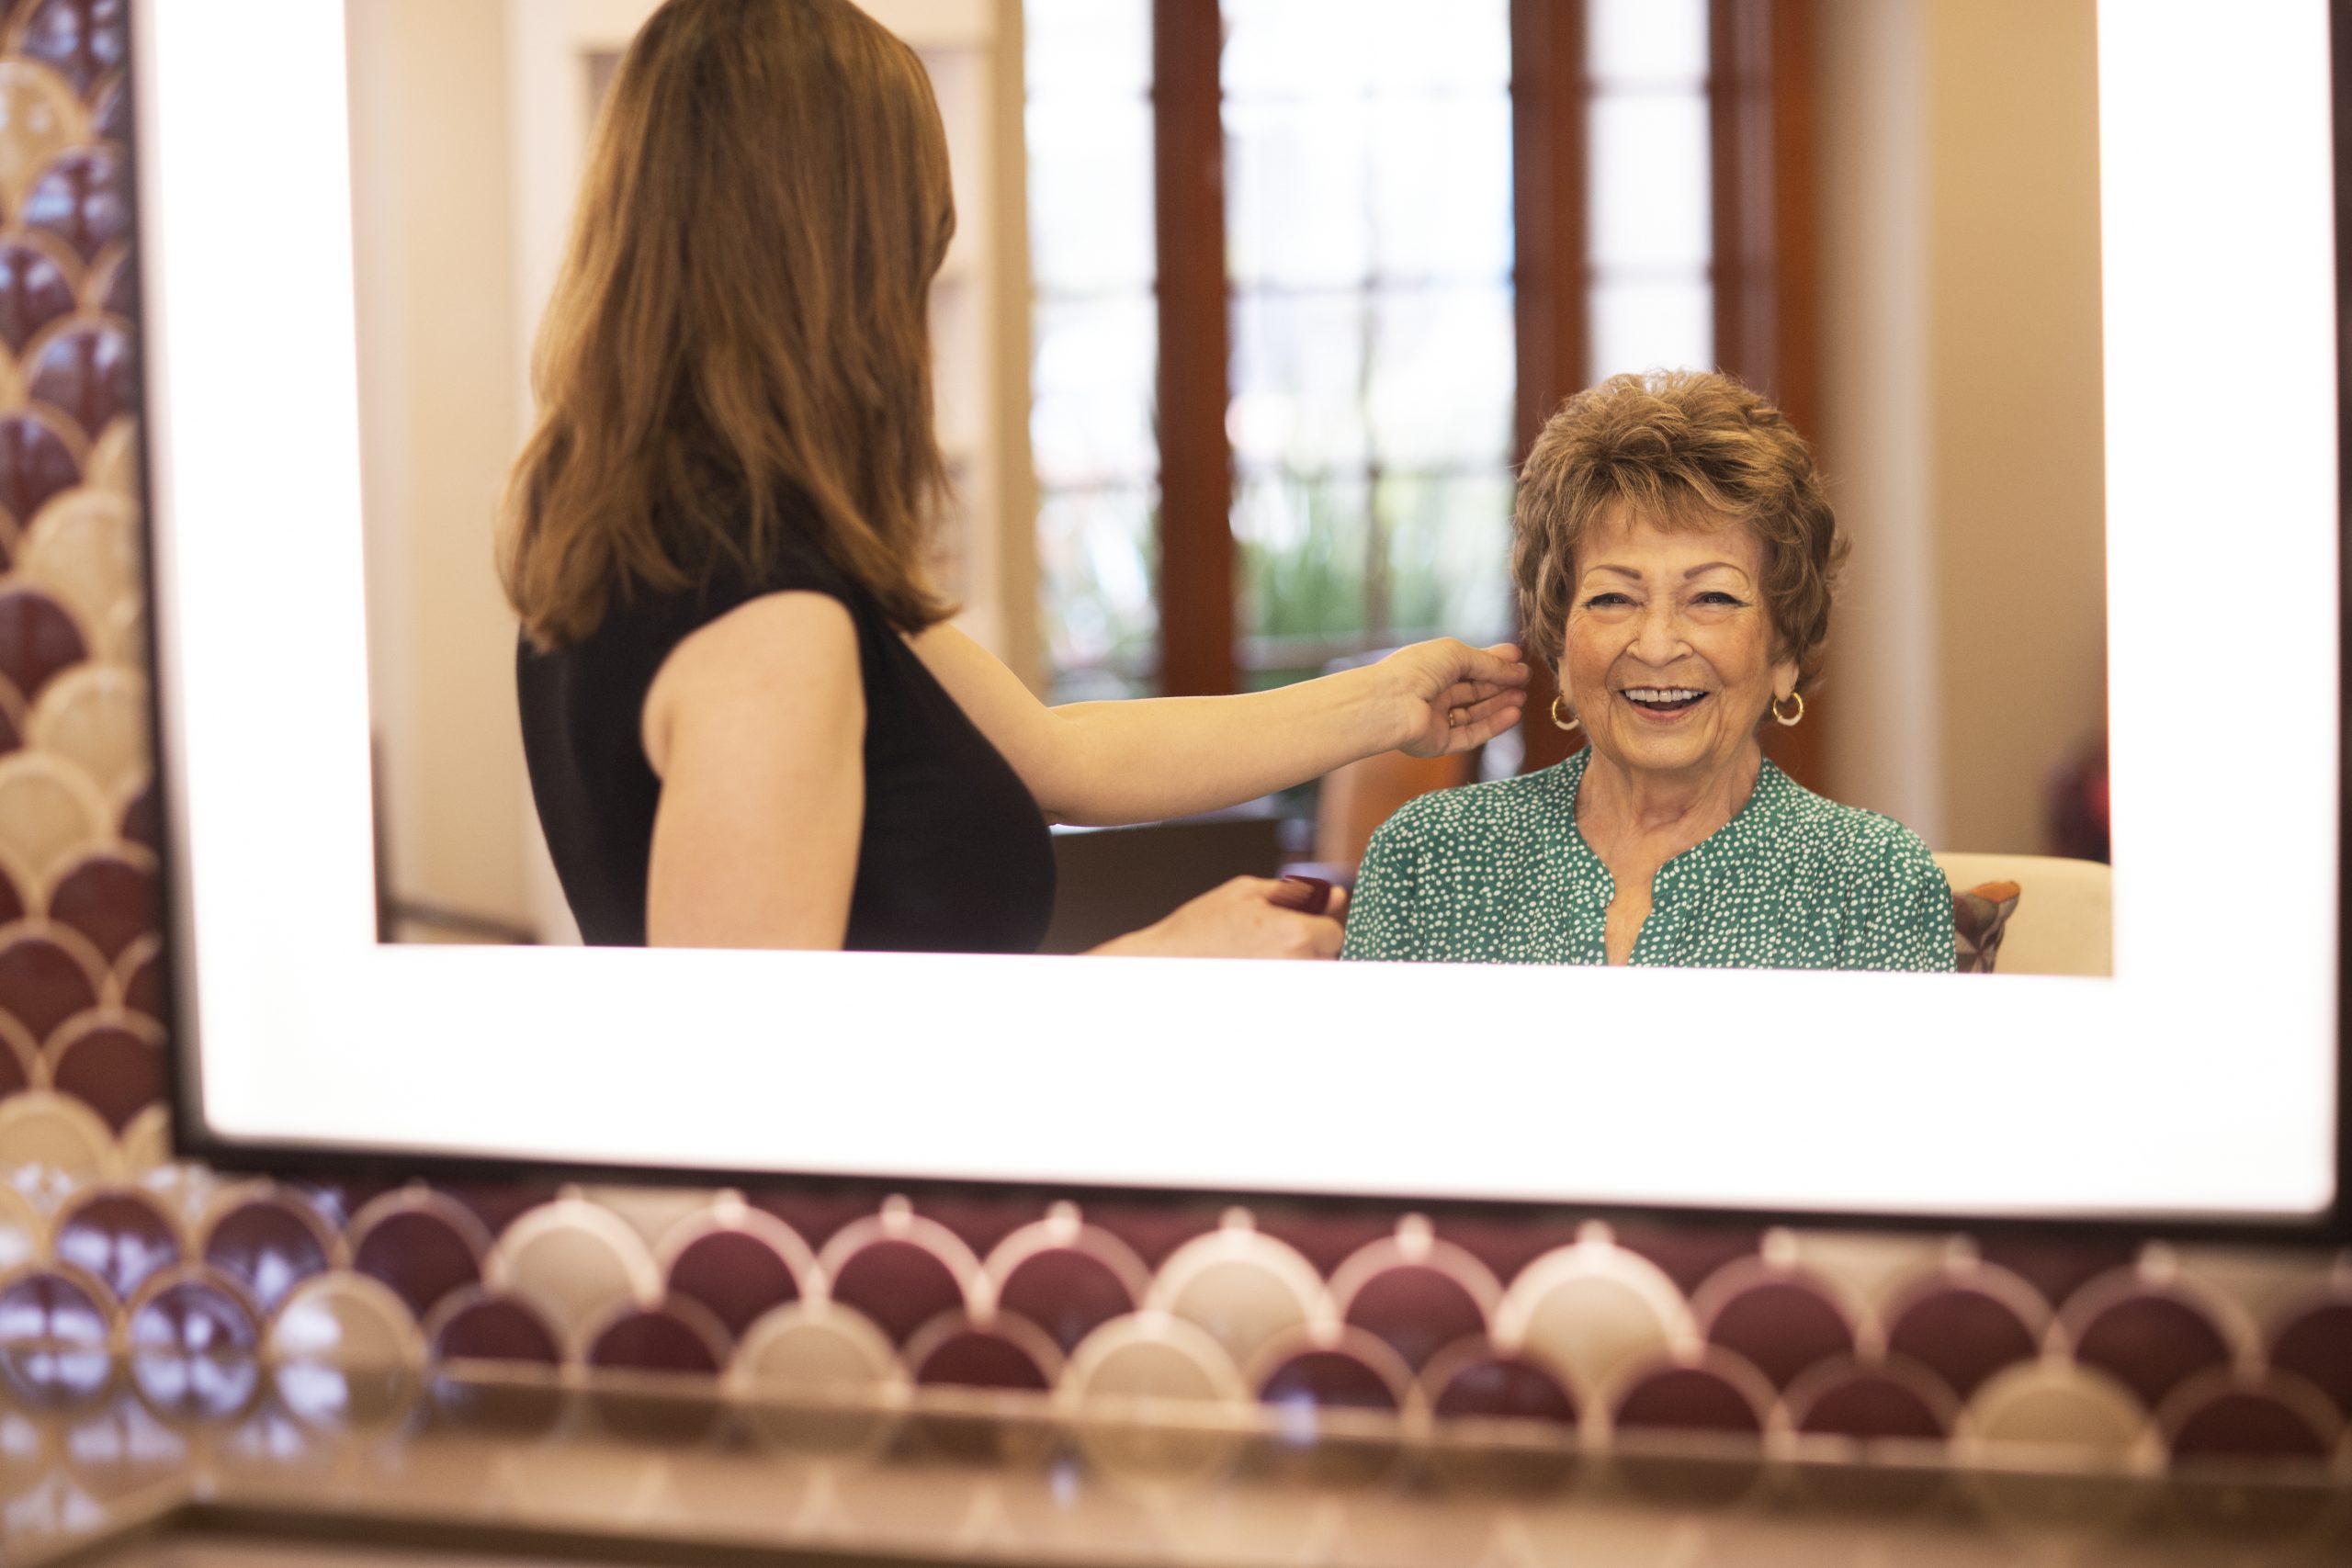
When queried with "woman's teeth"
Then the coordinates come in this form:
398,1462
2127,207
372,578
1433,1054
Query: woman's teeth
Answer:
1663,696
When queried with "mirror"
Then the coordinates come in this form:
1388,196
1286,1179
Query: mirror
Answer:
1821,1094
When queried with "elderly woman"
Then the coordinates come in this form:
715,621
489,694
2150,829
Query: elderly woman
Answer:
1675,557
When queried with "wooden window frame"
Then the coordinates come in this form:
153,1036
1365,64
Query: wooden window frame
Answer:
1759,90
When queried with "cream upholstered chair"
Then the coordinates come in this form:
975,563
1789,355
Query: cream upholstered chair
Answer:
2064,921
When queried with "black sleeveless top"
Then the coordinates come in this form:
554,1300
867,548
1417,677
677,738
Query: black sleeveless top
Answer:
955,856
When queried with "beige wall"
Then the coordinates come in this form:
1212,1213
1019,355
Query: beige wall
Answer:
439,424
1961,411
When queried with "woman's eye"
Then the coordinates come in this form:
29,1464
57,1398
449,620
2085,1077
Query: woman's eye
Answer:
1717,596
1606,601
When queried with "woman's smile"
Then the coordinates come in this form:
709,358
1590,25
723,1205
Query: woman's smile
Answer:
1664,705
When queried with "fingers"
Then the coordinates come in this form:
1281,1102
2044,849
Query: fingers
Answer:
1499,665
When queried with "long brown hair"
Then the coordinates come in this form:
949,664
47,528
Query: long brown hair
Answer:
739,337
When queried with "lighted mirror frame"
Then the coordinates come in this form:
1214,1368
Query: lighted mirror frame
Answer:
2198,1087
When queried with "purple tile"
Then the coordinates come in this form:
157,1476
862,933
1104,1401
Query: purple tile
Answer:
1961,1334
496,1329
2057,1268
53,1341
193,1346
268,1246
42,984
1416,1311
118,1236
813,1216
1510,1387
82,40
34,291
1869,1405
420,1255
1688,1254
113,1071
2151,1342
83,199
38,636
735,1275
1688,1399
1326,1240
1782,1327
2316,1345
2245,1424
1155,1230
84,372
975,1358
1328,1379
899,1285
143,819
659,1340
499,1204
980,1223
143,988
16,1071
1068,1293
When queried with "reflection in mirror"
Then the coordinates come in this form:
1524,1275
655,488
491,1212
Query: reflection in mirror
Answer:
1934,270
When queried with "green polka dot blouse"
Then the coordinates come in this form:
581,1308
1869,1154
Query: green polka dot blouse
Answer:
1500,874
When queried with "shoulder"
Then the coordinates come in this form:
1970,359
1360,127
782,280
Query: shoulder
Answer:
1861,843
1492,807
781,660
797,632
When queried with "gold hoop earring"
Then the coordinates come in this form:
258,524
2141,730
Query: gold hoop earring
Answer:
1789,720
1571,722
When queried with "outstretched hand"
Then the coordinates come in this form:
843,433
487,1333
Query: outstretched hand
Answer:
1453,697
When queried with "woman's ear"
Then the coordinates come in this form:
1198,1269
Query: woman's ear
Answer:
1784,679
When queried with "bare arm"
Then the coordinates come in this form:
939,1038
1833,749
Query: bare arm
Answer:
1132,761
755,725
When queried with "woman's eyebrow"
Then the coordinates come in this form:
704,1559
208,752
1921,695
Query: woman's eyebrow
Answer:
1712,566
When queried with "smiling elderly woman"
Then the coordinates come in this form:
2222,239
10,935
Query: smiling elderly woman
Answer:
1675,557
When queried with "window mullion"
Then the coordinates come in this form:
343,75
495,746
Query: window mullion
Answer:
1196,556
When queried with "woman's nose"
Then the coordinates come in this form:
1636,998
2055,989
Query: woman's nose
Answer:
1658,636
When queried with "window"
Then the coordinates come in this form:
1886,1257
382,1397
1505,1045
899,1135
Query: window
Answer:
1277,393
